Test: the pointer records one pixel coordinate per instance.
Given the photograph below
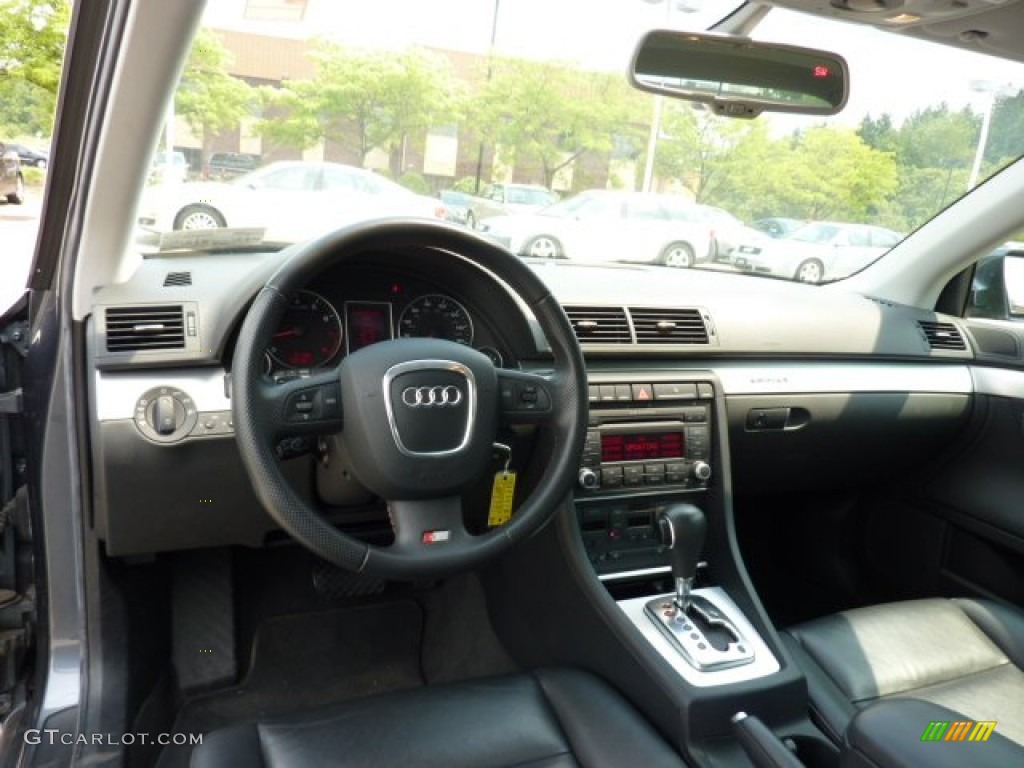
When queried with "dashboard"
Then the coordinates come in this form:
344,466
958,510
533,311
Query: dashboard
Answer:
699,382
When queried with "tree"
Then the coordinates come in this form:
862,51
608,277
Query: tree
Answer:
878,133
1004,139
25,109
208,98
33,34
364,101
694,146
32,40
937,137
550,113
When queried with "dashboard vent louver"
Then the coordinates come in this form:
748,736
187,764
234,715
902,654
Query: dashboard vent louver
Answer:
177,279
669,326
131,329
600,325
942,335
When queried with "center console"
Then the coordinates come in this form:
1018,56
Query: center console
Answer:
647,486
647,442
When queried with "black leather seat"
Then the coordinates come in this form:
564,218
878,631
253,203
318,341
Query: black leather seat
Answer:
548,719
965,655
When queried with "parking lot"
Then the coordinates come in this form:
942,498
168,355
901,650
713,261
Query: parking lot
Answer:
18,227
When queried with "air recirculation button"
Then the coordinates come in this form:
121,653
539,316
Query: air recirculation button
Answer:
165,414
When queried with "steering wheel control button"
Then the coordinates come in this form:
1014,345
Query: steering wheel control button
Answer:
314,404
431,406
523,397
165,414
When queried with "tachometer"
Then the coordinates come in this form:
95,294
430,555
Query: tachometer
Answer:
309,334
436,316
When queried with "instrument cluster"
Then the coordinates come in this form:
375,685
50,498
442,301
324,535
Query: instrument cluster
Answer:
316,331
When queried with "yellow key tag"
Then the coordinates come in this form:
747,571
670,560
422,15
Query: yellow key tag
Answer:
502,495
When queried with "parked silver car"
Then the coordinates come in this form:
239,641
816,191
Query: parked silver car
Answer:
602,225
12,183
506,199
817,251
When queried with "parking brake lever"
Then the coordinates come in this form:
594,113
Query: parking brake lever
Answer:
763,747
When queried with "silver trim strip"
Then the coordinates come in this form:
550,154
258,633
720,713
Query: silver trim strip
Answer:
809,377
999,382
623,575
116,393
764,662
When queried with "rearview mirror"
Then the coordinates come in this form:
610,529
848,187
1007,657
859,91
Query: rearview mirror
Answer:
739,77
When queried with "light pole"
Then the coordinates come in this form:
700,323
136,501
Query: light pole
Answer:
992,91
490,71
687,6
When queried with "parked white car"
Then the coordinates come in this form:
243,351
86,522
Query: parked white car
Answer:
163,172
817,251
602,225
288,199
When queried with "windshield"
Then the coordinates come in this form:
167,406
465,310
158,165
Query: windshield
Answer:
468,97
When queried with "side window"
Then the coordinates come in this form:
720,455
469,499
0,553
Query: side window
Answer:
293,179
858,236
518,196
882,238
337,179
600,208
645,209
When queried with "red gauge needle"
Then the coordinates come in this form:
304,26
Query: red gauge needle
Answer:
286,334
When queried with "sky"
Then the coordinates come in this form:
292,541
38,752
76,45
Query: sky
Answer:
889,73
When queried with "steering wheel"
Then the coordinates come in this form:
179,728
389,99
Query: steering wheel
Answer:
418,417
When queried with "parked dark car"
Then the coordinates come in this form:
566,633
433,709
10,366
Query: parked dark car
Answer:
456,205
36,158
227,165
12,182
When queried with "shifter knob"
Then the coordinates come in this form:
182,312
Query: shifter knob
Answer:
681,528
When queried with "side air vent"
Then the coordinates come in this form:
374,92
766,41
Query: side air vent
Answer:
942,335
131,329
600,325
177,279
669,326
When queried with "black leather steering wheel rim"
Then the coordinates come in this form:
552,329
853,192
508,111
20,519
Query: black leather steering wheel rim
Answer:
255,422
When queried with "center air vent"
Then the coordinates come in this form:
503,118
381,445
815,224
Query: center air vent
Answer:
669,326
177,279
942,335
132,329
600,325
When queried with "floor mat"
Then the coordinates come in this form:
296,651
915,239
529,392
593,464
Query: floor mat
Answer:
309,660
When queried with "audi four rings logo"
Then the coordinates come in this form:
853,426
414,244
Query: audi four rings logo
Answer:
432,397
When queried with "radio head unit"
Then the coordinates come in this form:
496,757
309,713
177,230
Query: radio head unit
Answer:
660,441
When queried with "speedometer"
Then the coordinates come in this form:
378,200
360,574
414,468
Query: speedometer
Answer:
436,316
309,334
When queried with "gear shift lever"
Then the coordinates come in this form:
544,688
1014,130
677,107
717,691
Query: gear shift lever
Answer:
681,528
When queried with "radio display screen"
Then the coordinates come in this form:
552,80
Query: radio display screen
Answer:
642,446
